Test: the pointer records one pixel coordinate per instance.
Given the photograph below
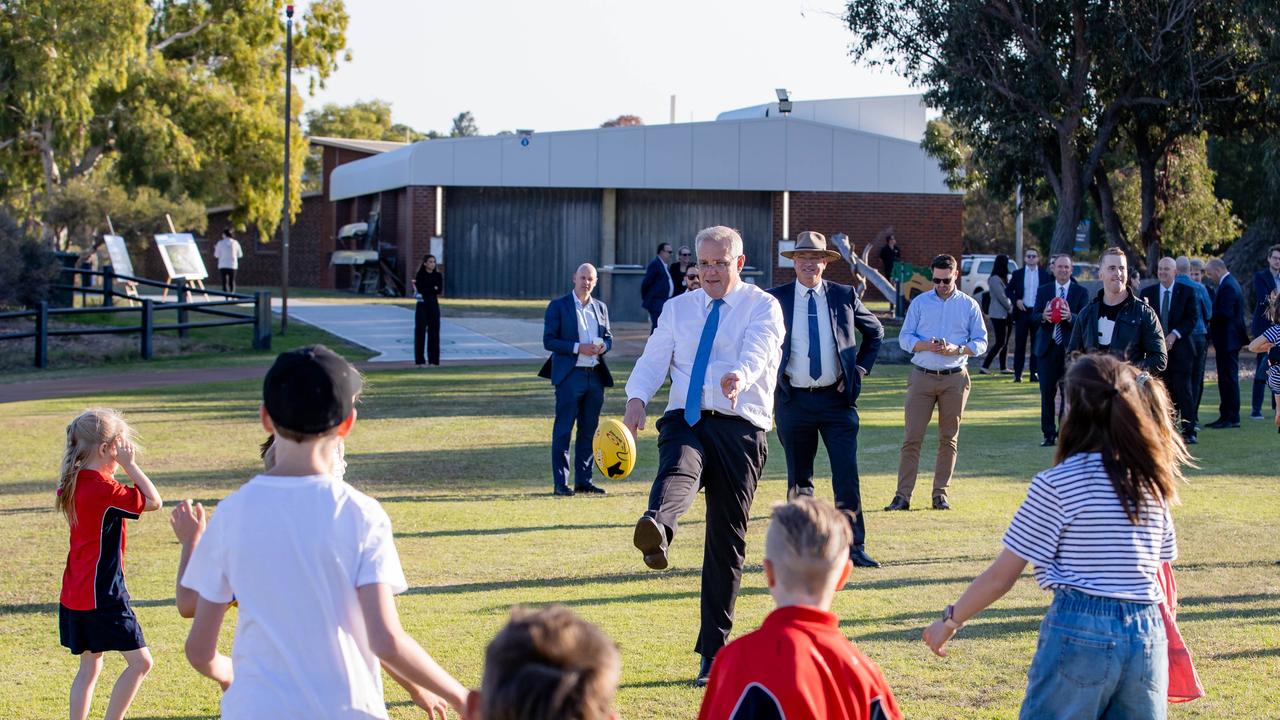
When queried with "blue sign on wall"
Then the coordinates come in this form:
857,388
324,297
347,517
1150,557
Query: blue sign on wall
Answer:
1082,236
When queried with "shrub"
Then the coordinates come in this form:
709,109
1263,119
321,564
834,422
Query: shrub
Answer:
27,266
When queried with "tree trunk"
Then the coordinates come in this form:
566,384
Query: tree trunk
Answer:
1070,206
1148,156
1104,197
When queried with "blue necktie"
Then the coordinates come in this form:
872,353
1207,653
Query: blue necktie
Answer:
815,349
1057,329
693,400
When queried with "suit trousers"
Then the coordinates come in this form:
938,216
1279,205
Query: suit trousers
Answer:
1200,346
1228,383
1022,334
579,398
724,455
653,320
1177,378
426,327
826,412
949,393
1052,368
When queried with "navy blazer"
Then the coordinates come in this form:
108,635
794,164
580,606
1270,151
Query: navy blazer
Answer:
1263,285
654,289
1015,287
847,314
560,334
1184,307
1226,326
1077,299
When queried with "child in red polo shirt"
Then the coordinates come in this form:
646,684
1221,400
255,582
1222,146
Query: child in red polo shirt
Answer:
94,615
798,664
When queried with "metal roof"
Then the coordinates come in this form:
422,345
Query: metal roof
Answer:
367,146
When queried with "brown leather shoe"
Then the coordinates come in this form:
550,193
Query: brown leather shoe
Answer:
651,540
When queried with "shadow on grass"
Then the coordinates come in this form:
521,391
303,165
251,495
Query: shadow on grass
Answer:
666,684
32,608
1248,654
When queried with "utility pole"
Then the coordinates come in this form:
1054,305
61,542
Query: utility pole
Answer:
1017,226
284,217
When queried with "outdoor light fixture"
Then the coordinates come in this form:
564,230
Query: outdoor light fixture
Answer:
784,101
525,135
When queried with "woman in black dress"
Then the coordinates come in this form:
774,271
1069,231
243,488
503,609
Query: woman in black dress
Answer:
428,286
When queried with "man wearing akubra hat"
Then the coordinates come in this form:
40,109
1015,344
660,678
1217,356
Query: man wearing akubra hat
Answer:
820,377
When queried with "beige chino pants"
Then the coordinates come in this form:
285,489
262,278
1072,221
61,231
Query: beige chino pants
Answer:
949,393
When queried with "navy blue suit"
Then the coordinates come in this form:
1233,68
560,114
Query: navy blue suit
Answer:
1183,316
1051,356
1264,284
1228,334
579,391
1024,325
655,289
803,414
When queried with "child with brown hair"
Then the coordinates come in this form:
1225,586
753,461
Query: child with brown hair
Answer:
799,664
94,615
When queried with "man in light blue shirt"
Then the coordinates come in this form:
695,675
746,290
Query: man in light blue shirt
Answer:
943,328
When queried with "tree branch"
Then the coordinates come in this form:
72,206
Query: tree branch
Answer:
180,36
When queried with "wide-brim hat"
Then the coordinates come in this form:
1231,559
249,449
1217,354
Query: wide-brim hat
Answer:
809,241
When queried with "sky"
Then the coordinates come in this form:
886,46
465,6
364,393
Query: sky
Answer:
568,64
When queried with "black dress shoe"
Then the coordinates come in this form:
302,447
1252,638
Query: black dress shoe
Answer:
1049,441
562,491
590,489
1223,424
1035,377
704,672
861,558
1017,378
898,504
651,540
940,503
1190,438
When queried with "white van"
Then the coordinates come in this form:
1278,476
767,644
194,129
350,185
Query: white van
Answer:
975,270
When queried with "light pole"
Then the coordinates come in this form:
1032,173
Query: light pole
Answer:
284,217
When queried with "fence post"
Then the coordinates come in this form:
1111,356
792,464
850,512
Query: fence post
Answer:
108,286
42,334
262,320
147,323
184,295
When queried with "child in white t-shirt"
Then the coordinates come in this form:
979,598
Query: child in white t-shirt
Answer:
311,563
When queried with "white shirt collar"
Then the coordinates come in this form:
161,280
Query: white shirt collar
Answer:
819,290
730,298
579,302
1066,284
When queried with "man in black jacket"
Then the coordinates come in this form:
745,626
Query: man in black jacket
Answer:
1177,308
1049,348
820,377
1023,286
1118,323
1228,334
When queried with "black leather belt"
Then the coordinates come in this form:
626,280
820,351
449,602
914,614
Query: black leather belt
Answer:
948,371
817,388
717,413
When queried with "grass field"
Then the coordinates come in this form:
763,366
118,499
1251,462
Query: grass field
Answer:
459,458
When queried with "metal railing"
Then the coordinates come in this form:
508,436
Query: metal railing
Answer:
147,308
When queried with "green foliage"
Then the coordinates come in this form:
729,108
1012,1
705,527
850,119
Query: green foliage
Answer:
362,120
27,266
622,121
464,125
187,96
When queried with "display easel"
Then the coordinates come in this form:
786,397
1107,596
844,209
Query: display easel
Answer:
130,287
196,283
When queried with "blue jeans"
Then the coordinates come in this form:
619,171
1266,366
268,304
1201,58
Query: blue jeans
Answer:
1098,658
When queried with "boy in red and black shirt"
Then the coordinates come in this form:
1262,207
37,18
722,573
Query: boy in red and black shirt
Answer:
798,664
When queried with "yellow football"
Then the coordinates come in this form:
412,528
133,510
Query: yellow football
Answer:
614,449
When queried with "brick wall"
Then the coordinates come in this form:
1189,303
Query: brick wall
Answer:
310,244
925,225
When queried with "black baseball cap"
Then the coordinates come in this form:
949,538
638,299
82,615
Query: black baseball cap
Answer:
310,390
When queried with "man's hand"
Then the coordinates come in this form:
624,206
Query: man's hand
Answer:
188,522
942,347
1169,340
1021,306
633,418
731,385
435,705
1066,312
862,372
588,349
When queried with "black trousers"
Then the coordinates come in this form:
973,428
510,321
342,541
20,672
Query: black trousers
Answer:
1200,346
1177,377
1051,369
228,279
1228,383
579,398
999,343
724,455
1022,327
426,322
801,419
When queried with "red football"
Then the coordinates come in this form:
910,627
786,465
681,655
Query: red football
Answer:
1056,306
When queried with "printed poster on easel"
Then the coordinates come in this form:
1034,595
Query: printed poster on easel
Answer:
181,256
119,254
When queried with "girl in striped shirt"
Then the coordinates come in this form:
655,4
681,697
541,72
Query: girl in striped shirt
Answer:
1096,526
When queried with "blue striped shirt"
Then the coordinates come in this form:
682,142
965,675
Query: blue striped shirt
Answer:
1072,527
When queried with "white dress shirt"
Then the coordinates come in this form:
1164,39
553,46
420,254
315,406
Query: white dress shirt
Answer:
798,362
958,320
588,330
748,342
1030,284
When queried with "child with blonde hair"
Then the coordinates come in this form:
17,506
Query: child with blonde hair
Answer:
799,664
94,615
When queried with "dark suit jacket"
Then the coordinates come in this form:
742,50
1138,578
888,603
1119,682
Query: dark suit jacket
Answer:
654,289
1016,287
560,334
1077,299
1226,327
1263,286
1184,308
847,314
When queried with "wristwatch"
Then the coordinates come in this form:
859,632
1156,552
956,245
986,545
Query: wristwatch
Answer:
948,618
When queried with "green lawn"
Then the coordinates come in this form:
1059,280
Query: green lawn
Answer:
459,459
